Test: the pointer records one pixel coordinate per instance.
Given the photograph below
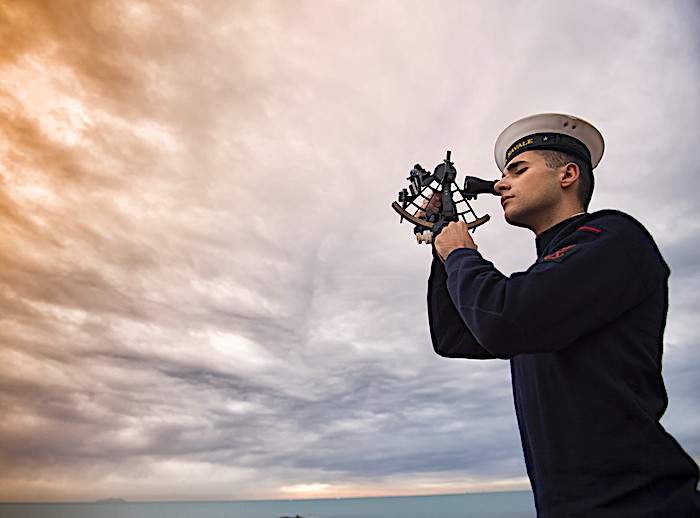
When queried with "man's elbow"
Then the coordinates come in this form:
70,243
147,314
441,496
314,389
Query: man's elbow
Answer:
501,341
462,347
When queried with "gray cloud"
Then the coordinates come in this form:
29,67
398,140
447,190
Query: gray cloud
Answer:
202,278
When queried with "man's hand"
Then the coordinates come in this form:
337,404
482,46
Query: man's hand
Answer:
453,236
432,204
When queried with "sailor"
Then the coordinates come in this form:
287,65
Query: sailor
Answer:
582,328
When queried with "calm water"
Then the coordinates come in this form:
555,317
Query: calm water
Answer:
516,504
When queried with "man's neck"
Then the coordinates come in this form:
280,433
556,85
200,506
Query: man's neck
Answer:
556,219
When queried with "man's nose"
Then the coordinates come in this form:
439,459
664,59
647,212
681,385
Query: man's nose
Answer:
501,185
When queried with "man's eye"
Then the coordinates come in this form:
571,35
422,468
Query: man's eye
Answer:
521,171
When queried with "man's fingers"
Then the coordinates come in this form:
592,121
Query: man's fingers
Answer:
454,235
431,203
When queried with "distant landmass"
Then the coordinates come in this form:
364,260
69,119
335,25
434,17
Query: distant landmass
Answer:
110,501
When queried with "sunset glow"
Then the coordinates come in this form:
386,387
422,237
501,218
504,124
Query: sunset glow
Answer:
204,291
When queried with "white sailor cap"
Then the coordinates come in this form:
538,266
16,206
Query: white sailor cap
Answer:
554,131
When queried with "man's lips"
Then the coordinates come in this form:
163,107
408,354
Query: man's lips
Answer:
504,199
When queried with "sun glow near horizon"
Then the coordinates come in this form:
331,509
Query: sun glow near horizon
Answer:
320,490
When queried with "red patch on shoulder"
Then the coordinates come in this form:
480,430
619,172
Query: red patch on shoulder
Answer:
560,254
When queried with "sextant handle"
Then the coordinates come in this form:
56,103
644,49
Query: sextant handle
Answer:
474,186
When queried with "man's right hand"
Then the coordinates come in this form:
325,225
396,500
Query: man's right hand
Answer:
431,203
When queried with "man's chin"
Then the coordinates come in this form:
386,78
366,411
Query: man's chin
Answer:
512,219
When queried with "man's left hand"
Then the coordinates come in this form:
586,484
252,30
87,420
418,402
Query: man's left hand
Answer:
453,236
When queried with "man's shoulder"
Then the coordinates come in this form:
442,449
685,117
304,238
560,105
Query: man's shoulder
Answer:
627,231
615,218
617,222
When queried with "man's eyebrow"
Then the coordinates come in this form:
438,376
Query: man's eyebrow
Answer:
514,165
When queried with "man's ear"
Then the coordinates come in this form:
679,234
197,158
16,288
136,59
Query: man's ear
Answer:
570,174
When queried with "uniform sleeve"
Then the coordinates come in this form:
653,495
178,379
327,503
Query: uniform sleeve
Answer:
450,335
595,275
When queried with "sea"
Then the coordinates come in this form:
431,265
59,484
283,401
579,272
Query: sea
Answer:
511,504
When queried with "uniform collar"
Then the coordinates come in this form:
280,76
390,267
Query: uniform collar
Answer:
545,238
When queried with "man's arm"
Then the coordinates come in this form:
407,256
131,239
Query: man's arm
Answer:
590,280
450,335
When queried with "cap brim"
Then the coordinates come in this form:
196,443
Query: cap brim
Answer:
574,127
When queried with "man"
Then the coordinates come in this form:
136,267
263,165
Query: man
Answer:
582,327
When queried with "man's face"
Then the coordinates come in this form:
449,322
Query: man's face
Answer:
530,191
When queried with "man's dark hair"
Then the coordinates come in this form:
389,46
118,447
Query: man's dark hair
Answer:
556,159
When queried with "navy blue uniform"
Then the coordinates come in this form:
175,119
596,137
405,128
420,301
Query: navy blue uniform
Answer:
583,329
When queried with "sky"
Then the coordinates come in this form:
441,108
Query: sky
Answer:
204,291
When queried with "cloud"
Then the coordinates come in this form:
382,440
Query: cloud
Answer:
202,279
